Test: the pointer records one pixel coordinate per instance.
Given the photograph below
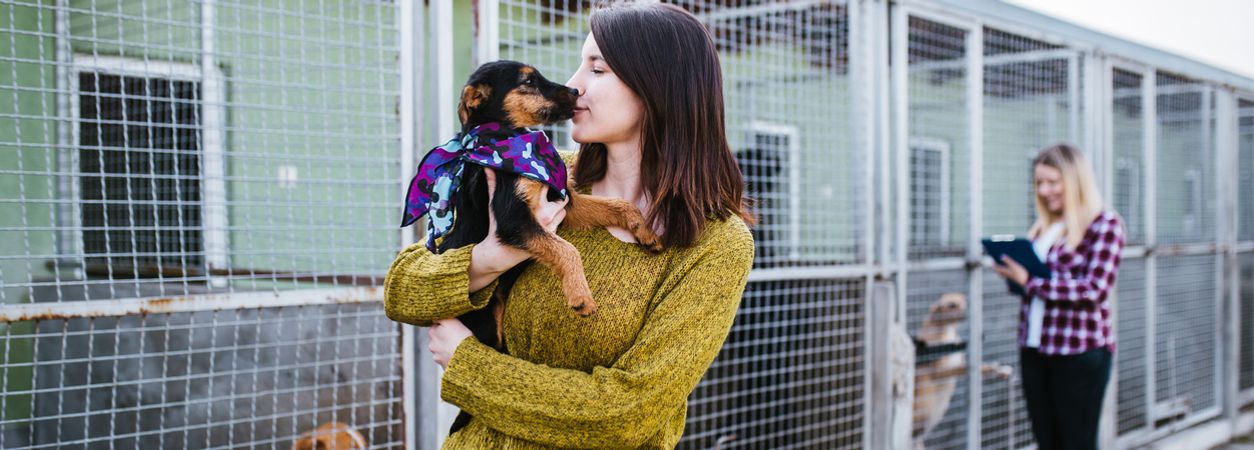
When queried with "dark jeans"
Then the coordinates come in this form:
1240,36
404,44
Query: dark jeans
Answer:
1064,396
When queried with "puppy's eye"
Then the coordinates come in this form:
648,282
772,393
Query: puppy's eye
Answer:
529,81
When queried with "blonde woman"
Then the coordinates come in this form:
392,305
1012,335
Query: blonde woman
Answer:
1065,339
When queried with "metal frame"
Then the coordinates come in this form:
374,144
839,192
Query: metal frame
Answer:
1147,141
972,262
411,23
66,233
1238,248
975,278
1226,211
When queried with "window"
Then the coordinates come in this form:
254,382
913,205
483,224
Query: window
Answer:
139,156
929,193
772,169
149,166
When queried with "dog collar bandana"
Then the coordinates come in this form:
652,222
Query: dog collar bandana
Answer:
433,191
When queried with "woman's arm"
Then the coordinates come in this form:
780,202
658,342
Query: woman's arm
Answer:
1099,274
624,405
421,287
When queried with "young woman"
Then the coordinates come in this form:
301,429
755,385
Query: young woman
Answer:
1065,339
650,123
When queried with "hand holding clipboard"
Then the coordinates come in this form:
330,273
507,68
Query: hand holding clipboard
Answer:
1020,250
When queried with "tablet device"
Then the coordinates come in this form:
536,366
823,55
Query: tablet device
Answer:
1020,250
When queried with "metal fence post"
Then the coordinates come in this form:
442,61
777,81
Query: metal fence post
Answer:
974,252
892,371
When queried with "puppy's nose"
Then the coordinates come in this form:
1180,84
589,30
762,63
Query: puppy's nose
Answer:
574,92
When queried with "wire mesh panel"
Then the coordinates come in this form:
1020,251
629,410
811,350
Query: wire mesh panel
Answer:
790,374
1245,172
1186,160
185,156
1245,378
936,313
1133,358
1126,109
939,143
786,85
1005,415
548,35
253,378
1028,104
786,89
1245,232
159,148
1186,346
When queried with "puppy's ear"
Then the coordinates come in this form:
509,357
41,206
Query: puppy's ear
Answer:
472,97
305,442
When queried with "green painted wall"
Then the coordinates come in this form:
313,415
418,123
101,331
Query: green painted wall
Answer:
26,187
26,192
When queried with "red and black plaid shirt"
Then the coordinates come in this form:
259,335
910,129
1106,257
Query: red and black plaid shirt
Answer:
1077,315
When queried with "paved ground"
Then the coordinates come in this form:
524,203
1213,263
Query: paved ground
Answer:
1241,443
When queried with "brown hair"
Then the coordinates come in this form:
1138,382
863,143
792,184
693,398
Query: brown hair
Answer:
667,58
1081,201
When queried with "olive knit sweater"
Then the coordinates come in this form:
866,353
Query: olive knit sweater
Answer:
618,379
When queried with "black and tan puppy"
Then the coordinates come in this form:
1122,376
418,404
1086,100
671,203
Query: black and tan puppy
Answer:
517,96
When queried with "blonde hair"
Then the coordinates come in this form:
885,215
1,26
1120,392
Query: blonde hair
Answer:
1081,201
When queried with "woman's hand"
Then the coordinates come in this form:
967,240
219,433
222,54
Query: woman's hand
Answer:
490,258
443,338
1011,270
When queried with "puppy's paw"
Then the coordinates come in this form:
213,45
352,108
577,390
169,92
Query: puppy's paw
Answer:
648,240
583,305
645,236
1000,371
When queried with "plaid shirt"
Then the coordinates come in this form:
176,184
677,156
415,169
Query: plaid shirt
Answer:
1077,315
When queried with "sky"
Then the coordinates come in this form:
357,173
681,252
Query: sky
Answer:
1216,32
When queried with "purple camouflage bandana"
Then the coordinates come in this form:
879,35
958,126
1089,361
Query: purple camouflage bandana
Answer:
434,189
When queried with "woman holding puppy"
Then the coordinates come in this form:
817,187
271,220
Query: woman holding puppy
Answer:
650,123
1065,339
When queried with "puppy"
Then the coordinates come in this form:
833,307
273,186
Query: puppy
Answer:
331,436
500,100
939,362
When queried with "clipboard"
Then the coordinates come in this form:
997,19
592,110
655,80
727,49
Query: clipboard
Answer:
1019,249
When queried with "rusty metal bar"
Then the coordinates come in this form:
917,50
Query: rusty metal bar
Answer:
188,303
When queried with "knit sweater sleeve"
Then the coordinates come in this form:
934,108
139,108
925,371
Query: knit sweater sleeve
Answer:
422,287
623,405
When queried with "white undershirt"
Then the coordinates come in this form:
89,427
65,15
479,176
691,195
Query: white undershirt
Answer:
1036,312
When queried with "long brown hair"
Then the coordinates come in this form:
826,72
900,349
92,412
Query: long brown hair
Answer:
667,58
1081,201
